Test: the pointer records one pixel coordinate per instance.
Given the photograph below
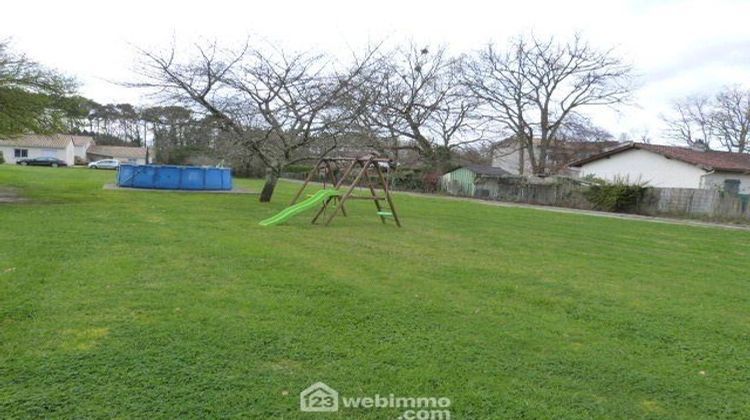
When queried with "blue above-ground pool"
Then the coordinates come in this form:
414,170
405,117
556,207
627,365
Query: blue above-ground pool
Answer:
169,177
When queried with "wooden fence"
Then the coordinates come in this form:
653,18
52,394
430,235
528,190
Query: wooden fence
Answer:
682,202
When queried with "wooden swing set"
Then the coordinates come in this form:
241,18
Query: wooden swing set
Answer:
365,165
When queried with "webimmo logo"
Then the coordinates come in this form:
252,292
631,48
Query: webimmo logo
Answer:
319,397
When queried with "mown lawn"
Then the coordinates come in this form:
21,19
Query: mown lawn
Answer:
144,304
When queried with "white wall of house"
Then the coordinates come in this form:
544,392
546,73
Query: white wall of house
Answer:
80,151
716,180
7,152
70,154
67,154
640,165
509,158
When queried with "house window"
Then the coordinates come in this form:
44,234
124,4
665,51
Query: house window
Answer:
21,153
732,186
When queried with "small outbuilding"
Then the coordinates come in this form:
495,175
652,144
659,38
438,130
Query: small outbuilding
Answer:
460,181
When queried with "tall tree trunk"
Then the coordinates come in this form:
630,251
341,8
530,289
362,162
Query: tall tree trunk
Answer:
531,153
271,179
541,162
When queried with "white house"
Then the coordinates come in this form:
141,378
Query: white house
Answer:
124,154
82,145
671,167
34,145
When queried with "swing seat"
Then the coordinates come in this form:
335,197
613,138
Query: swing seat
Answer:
385,214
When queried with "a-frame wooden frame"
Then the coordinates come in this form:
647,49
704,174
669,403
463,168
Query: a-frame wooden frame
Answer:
361,166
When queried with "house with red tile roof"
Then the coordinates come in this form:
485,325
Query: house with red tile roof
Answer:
670,167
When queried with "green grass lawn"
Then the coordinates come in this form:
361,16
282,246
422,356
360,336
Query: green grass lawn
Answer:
146,304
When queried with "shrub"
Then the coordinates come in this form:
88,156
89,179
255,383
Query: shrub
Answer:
2,158
298,169
617,196
407,179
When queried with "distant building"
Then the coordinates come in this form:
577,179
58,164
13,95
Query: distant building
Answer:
32,146
71,149
82,145
460,181
670,167
510,156
122,153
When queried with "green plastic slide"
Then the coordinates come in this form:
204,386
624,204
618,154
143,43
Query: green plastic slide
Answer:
317,198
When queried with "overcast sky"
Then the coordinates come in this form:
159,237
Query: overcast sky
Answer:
678,47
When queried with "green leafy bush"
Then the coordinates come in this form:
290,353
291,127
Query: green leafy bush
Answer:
617,196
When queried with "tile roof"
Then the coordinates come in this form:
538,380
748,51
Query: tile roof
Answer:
118,152
485,170
710,160
82,140
52,141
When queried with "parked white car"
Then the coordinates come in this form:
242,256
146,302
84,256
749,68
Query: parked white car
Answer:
105,164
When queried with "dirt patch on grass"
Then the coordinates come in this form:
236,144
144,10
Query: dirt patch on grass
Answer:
10,195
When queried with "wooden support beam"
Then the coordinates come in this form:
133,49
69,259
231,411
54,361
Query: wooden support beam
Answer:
363,197
307,181
334,182
338,185
388,195
351,188
378,208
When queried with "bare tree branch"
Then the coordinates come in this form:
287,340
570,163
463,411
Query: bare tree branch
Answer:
536,86
276,104
416,94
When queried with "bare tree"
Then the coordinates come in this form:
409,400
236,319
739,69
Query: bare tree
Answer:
642,136
722,120
692,121
535,86
580,128
731,118
415,94
280,106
